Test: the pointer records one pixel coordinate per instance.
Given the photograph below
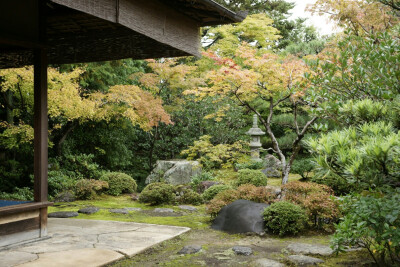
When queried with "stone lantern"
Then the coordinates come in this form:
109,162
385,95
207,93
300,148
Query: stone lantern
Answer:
255,143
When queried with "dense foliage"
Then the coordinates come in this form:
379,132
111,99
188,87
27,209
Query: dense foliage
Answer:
119,183
254,177
158,193
284,218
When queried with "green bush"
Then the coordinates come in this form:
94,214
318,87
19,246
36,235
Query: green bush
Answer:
157,193
253,177
211,192
119,183
58,182
24,193
197,179
82,165
190,197
316,199
251,165
89,188
303,167
339,184
284,218
371,222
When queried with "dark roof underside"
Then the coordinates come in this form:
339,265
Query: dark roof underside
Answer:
80,31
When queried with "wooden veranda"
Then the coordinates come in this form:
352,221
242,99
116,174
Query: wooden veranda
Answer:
42,32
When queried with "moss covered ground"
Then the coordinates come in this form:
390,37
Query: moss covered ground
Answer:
216,246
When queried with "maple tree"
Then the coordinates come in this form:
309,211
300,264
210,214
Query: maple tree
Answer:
68,105
360,16
253,76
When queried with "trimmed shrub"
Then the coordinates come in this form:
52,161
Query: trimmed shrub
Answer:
316,199
253,177
211,192
190,197
157,193
89,188
303,167
119,183
251,165
258,194
284,218
220,200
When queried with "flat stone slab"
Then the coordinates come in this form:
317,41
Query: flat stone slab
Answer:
162,210
84,243
63,214
89,210
119,211
301,260
240,250
133,209
186,207
264,262
309,249
190,249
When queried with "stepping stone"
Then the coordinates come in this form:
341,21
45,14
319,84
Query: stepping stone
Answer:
189,208
239,250
301,260
133,209
63,214
119,211
190,249
264,262
301,248
162,210
89,210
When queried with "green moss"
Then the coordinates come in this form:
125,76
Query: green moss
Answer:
278,181
194,220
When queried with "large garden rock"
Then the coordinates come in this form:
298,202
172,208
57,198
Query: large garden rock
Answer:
174,171
301,260
272,162
309,249
241,216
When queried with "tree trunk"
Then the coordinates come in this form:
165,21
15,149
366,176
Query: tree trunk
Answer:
9,104
69,127
285,173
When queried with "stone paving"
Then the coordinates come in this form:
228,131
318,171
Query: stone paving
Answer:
75,242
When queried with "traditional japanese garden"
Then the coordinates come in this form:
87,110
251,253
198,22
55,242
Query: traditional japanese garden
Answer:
278,147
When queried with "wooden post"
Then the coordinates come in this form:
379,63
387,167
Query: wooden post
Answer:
41,120
41,132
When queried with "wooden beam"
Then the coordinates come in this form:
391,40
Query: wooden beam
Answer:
41,134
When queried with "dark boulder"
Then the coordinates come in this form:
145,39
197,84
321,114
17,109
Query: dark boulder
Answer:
241,216
89,210
63,214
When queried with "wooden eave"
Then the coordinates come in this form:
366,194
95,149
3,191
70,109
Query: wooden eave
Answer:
98,30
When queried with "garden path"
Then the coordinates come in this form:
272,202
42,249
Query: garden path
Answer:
76,242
